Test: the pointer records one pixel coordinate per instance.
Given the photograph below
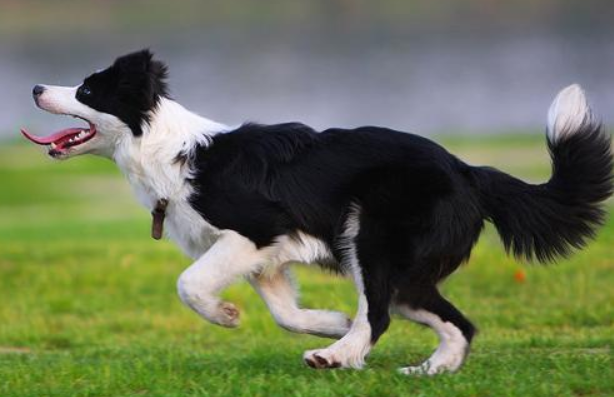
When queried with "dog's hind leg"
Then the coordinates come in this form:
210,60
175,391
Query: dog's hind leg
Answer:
351,350
367,264
425,305
280,295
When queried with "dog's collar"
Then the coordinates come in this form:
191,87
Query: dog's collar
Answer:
157,221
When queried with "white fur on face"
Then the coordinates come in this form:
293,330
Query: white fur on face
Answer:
110,130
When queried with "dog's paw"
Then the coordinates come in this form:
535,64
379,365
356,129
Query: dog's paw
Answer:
333,358
434,366
448,357
320,359
227,315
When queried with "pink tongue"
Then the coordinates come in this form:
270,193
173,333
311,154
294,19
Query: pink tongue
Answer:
51,138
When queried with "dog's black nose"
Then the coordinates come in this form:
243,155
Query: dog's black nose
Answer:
37,91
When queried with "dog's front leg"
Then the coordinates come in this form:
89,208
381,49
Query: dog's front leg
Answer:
231,257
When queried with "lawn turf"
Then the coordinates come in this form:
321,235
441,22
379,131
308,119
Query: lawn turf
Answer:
88,304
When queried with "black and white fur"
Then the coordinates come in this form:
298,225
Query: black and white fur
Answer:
394,211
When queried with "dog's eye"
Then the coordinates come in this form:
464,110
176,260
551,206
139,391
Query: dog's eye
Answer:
84,91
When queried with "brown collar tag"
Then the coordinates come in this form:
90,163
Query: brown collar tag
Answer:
157,222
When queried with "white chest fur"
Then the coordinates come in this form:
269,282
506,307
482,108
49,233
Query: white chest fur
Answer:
150,164
182,224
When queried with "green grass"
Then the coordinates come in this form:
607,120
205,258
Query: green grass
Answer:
88,304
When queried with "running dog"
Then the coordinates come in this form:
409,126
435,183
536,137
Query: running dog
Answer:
394,211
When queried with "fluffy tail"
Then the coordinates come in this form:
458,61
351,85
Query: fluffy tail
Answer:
549,220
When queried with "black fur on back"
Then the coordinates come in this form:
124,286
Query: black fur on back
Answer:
268,181
129,89
421,209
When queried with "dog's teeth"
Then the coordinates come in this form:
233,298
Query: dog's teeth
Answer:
53,145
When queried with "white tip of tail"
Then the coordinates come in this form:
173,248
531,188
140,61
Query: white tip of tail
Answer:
568,113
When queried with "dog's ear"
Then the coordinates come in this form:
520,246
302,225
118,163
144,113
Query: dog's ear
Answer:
140,66
135,61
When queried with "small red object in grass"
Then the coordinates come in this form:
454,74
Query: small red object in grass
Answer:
520,276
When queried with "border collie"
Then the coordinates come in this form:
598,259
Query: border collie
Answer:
394,211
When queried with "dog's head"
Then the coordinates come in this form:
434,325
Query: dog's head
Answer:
115,103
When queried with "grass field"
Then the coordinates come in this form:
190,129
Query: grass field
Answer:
89,308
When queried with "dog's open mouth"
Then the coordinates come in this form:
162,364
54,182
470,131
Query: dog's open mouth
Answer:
60,142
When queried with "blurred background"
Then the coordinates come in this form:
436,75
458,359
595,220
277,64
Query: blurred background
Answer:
446,66
89,299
